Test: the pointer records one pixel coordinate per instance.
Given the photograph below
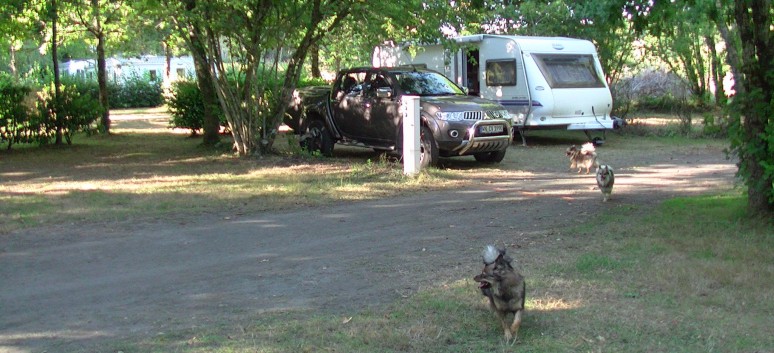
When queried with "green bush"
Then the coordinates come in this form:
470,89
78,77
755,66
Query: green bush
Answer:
15,111
135,92
186,106
79,111
85,87
659,104
27,114
311,81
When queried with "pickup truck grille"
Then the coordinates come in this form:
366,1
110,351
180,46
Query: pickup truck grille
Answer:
482,115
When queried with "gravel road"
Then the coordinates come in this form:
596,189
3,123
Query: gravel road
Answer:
70,287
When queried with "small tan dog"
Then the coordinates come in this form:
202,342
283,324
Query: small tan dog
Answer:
586,157
504,287
605,181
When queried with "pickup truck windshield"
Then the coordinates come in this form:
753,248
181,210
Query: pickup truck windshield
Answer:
426,84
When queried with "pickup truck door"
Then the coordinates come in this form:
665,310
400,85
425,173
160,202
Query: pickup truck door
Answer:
382,110
348,107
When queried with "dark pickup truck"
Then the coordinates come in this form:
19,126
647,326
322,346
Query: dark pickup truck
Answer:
362,108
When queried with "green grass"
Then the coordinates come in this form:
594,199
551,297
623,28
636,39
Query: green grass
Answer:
142,174
144,169
694,275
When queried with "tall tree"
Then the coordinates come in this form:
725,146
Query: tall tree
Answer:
196,40
59,119
25,28
12,22
683,37
254,69
751,55
101,19
178,33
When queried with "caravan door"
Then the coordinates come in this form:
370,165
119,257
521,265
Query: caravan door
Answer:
503,77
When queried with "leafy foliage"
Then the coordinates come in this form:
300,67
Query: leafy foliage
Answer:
14,111
135,92
255,81
187,107
751,54
30,116
78,112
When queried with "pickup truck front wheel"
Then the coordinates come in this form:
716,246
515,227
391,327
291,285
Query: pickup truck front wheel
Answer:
490,157
317,138
428,148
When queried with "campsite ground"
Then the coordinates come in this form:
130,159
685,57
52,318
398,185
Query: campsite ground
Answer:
80,285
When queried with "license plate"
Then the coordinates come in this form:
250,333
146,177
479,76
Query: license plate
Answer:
490,129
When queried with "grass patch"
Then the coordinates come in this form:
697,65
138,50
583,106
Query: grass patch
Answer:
142,175
694,275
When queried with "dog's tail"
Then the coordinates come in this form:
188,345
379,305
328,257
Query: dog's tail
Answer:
490,254
588,148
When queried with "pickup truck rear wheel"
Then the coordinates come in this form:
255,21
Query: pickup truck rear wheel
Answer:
490,157
428,149
318,139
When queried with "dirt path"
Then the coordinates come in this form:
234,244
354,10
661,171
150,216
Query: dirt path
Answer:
74,286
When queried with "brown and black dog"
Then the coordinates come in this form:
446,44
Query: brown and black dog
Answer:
605,181
505,288
586,157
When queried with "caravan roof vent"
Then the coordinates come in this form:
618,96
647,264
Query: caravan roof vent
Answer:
557,46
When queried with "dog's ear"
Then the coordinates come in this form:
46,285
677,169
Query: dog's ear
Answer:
503,259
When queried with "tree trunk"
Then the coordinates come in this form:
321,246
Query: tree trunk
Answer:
205,81
104,101
57,82
314,54
211,123
716,72
167,80
167,61
755,150
732,55
102,81
12,62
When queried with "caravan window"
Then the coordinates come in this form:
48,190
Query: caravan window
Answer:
569,71
501,72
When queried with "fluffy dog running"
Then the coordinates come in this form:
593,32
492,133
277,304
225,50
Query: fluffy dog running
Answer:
586,157
605,181
504,287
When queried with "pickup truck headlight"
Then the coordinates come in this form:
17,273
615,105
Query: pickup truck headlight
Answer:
499,114
450,116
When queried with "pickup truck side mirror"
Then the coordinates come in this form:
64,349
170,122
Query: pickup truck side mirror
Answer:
384,92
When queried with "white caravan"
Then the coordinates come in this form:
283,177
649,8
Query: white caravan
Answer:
545,82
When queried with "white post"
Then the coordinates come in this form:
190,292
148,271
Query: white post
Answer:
411,150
